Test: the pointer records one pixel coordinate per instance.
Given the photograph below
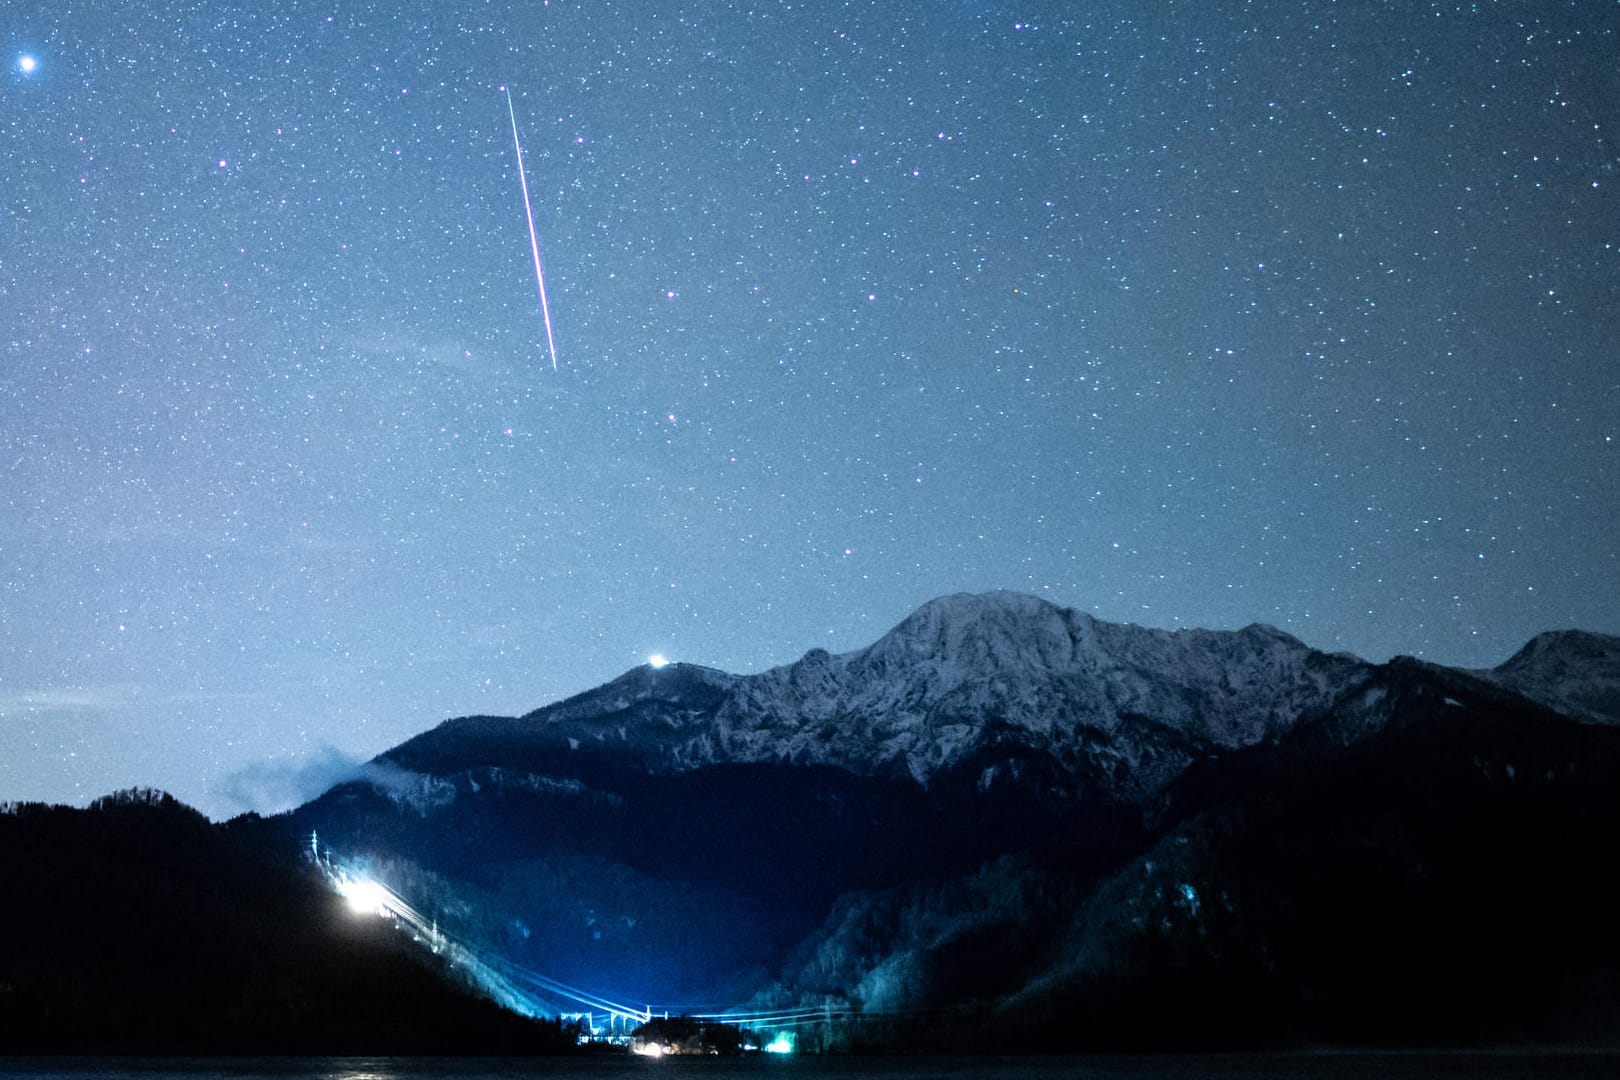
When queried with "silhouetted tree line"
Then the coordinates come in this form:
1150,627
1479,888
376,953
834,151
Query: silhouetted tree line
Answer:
137,926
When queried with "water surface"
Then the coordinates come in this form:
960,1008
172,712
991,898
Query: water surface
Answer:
1318,1066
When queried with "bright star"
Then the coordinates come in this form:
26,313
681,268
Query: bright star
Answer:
26,64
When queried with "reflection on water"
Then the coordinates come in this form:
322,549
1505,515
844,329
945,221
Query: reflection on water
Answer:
1193,1067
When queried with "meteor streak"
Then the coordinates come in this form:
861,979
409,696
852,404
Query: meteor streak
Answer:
534,241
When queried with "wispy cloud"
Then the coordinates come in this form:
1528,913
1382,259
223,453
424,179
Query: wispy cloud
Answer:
269,787
104,698
407,348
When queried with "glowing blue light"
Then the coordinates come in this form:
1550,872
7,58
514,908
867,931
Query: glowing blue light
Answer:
27,64
782,1044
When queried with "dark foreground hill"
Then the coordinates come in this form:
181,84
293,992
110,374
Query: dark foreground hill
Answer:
139,927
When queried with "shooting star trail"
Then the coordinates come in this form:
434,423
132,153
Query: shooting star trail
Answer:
534,240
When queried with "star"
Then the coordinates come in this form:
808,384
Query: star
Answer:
1001,341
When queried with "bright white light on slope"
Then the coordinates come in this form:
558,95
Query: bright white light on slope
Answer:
657,660
364,896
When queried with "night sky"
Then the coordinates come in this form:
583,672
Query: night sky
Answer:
1182,314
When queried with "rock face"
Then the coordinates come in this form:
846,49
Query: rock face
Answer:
1570,671
1121,710
1001,793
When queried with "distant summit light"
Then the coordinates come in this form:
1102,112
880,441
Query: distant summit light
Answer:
657,660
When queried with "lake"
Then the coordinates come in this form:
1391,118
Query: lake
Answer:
1327,1066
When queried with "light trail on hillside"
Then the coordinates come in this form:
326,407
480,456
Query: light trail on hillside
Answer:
526,991
504,980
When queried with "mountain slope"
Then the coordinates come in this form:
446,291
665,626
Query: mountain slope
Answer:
1572,671
1442,880
970,806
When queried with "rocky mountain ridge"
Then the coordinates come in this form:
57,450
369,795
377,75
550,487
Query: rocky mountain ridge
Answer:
965,676
988,682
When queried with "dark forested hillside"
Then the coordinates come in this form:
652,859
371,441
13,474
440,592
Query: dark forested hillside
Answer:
138,926
1448,880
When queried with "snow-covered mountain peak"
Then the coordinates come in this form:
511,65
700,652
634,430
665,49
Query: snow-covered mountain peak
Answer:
966,635
967,671
1564,648
965,681
982,686
1573,671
